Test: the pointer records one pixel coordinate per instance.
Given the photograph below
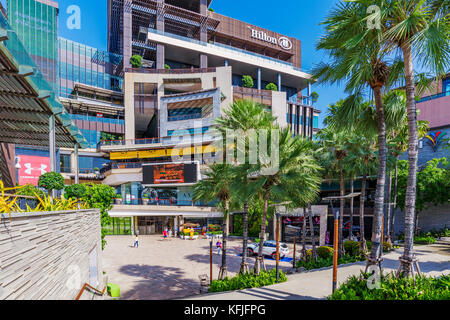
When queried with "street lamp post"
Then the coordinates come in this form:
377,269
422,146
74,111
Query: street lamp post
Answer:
278,246
277,218
210,260
336,246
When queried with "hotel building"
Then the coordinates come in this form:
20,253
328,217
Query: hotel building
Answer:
194,61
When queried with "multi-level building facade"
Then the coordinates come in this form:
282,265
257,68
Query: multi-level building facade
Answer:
194,61
86,79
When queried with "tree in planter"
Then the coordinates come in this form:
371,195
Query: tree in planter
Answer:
51,181
419,29
245,116
136,61
217,186
247,81
314,97
101,196
272,87
167,67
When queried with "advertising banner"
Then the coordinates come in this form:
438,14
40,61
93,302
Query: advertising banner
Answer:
31,168
170,173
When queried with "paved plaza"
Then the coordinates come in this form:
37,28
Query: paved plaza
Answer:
169,269
166,269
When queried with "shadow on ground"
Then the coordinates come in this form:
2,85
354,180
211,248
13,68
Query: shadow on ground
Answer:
158,283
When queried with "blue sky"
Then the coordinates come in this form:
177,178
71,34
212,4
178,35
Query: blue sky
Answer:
296,18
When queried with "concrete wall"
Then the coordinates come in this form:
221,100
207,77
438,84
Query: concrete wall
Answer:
46,256
433,218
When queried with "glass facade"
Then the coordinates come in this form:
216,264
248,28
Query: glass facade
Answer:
92,127
36,25
90,164
79,63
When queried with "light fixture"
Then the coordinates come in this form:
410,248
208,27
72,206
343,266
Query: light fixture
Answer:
17,165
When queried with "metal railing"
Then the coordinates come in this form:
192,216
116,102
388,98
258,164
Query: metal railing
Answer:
170,71
222,47
163,202
435,96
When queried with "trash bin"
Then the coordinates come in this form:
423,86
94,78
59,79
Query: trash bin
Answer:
113,290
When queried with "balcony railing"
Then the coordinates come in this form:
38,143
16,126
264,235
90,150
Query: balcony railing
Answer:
170,71
164,202
222,47
167,141
435,96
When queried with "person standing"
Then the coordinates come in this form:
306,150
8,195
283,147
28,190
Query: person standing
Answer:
218,246
165,233
136,242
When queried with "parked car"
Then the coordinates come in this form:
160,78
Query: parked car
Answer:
347,226
269,249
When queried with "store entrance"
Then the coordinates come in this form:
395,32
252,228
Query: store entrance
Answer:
154,225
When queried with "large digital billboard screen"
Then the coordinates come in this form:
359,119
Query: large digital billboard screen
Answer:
170,173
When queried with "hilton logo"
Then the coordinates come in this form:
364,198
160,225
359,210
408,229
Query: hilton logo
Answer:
283,42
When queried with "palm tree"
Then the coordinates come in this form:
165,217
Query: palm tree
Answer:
333,154
419,29
359,58
216,186
245,116
297,179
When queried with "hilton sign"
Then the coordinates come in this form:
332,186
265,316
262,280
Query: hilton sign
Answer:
283,42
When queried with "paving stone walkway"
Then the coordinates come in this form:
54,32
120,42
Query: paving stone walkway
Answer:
434,260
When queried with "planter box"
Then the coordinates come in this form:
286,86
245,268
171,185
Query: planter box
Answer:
145,202
119,201
188,237
209,236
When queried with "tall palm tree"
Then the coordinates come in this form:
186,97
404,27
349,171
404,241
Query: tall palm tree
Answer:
420,30
216,187
297,179
245,116
359,59
332,157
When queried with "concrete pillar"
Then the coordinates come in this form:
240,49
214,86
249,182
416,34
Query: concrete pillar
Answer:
259,78
203,61
226,63
52,147
76,164
279,82
52,143
309,95
127,33
160,49
133,230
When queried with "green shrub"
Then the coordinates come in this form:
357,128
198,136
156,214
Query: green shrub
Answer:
351,247
247,81
386,246
325,252
30,190
424,240
76,191
246,281
310,264
272,87
392,288
136,61
51,181
167,67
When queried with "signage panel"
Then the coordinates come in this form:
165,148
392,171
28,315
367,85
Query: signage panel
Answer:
31,168
169,173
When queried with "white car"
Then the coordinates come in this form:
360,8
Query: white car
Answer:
269,249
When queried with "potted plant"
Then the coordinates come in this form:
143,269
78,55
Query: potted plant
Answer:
118,199
96,170
145,199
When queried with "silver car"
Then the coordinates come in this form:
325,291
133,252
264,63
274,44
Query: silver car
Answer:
269,249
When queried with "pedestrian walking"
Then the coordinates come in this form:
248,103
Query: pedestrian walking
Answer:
136,242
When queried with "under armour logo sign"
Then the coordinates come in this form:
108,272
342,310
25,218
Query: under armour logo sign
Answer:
29,168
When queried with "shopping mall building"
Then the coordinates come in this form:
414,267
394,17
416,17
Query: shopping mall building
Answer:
134,119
